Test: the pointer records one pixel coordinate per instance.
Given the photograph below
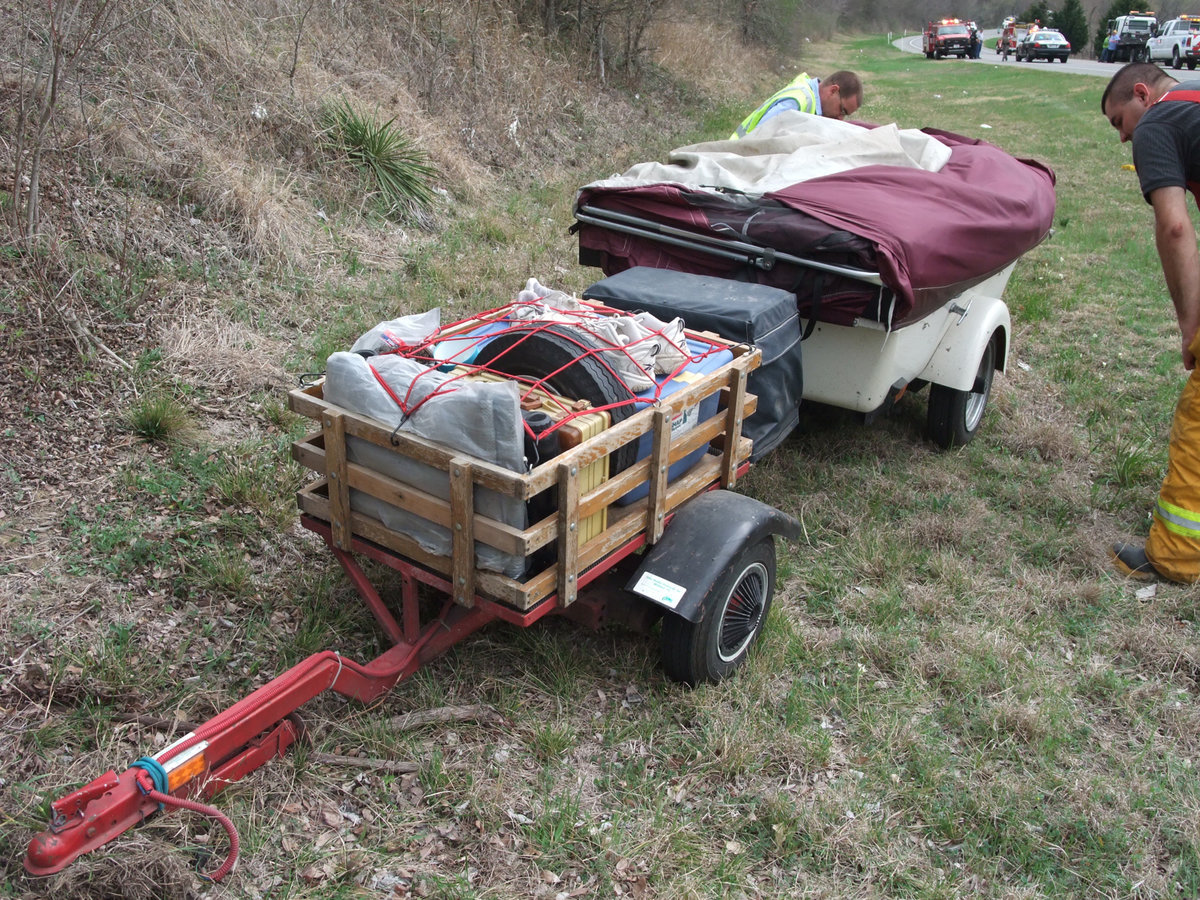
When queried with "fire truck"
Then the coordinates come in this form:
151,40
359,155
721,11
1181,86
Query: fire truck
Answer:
946,37
1013,31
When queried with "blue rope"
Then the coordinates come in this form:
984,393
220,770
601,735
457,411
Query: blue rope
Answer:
157,774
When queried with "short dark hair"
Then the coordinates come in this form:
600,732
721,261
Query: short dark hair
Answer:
1120,87
849,84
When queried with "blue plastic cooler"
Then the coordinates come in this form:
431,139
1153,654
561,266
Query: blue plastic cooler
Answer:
686,420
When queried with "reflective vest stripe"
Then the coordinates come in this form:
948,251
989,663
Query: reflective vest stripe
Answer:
1178,520
800,90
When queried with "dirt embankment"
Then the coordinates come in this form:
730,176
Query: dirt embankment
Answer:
194,247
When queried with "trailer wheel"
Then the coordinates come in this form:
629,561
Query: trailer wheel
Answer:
955,415
735,610
559,356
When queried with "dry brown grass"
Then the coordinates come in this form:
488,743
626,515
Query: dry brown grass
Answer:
209,349
711,56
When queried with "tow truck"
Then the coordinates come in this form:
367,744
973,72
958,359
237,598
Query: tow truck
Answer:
1133,32
946,37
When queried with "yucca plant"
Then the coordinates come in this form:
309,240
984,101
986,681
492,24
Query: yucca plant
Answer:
401,170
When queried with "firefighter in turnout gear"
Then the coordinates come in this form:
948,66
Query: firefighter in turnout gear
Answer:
1162,119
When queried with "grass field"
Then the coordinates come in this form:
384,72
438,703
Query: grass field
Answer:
954,696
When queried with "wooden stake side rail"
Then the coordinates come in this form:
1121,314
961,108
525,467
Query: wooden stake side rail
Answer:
328,498
310,452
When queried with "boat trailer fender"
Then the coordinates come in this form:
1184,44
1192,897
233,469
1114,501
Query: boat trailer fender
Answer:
955,362
703,538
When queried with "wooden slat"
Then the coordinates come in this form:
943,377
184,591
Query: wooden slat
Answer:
333,425
462,533
619,485
568,532
488,474
492,532
735,414
659,473
309,401
493,585
625,527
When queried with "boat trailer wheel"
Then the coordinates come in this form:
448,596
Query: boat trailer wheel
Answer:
955,415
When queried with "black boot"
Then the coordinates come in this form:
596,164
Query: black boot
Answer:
1131,561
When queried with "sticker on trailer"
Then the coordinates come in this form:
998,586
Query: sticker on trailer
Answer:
659,590
684,421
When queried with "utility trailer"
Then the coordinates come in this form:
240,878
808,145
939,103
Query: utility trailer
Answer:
638,515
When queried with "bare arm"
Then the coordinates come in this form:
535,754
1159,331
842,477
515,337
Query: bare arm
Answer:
1175,239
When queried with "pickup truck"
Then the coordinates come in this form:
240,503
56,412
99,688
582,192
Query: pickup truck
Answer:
1177,41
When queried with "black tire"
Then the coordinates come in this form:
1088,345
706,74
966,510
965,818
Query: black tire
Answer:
954,415
929,54
735,609
535,351
1176,62
1191,64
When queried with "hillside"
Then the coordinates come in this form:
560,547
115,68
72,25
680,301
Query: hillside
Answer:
193,249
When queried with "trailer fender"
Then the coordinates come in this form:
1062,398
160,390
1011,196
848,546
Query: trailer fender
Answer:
956,360
703,538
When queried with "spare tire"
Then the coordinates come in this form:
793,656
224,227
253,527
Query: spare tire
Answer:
562,360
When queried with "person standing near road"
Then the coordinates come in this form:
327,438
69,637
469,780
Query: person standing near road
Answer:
1109,53
836,97
1162,119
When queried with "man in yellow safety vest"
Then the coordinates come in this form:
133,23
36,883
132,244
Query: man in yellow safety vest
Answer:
836,97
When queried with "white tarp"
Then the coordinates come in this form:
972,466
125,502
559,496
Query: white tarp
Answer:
788,148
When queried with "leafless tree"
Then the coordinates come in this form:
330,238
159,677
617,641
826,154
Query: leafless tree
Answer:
53,38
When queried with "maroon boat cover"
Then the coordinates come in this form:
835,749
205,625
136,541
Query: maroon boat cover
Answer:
930,235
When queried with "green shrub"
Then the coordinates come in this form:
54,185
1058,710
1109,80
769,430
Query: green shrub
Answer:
159,417
400,170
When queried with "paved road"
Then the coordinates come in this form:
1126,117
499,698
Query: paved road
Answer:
1077,66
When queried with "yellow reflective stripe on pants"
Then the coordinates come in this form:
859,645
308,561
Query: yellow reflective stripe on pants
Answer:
1179,520
1173,545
